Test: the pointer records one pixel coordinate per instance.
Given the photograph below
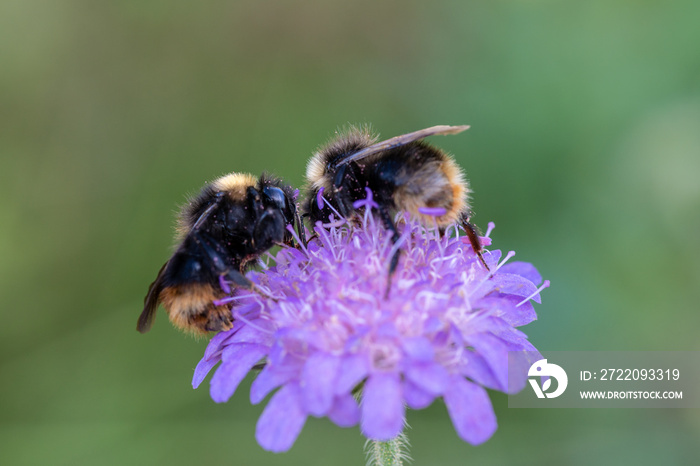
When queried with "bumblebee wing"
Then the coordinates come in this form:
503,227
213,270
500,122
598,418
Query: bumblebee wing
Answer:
403,140
150,302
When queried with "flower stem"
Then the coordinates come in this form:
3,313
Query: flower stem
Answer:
389,453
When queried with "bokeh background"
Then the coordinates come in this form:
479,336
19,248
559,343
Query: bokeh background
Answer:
584,150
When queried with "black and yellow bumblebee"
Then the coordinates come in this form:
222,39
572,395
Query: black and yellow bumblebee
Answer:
404,173
238,217
223,230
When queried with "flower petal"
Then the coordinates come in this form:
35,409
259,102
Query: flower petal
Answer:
508,283
508,309
281,421
271,377
479,370
219,341
353,369
318,382
429,376
382,406
495,352
519,363
416,398
345,411
524,269
238,360
260,332
202,369
418,348
470,409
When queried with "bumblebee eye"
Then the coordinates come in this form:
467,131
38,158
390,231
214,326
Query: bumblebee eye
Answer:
275,196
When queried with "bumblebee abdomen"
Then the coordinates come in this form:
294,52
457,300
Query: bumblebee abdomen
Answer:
190,307
423,176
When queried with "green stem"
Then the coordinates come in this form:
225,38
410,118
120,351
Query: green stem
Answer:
389,453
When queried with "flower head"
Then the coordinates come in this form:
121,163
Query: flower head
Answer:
327,330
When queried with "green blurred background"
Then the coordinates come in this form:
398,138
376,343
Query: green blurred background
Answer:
584,150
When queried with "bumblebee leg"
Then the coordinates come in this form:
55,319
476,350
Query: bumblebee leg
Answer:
312,231
473,239
394,262
212,250
223,268
311,238
300,228
214,319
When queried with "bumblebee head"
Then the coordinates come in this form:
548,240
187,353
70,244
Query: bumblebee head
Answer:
278,200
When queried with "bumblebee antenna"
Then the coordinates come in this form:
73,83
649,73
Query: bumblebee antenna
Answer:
403,140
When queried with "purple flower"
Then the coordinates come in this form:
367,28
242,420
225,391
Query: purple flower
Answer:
444,331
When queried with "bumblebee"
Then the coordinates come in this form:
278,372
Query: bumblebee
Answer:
220,232
404,173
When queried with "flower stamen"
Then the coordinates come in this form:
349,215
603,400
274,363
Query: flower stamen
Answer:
230,299
319,197
224,285
544,285
301,244
489,229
